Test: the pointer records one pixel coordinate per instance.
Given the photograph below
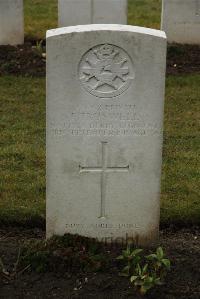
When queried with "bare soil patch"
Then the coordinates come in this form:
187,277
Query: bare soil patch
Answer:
25,60
183,59
183,281
29,59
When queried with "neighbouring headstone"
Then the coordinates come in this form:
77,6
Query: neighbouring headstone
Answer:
181,21
11,22
81,12
105,96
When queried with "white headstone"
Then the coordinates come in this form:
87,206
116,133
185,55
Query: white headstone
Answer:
81,12
105,95
11,22
181,21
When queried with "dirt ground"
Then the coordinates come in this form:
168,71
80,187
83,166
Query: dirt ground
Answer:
29,59
183,281
182,246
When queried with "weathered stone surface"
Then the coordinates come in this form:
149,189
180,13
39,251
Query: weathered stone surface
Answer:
81,12
105,95
181,21
11,22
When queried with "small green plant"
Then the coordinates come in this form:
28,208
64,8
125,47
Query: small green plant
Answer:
144,280
145,272
160,264
131,258
39,48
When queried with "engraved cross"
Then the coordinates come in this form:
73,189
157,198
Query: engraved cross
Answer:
104,169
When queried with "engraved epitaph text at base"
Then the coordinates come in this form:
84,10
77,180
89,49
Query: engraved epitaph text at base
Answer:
105,98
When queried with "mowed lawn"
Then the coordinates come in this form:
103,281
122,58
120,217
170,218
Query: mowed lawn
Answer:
23,150
41,15
22,180
22,102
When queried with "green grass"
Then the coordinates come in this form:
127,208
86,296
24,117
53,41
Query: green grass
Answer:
22,101
146,13
41,15
181,180
22,158
22,182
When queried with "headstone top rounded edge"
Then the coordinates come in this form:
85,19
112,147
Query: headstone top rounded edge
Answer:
105,27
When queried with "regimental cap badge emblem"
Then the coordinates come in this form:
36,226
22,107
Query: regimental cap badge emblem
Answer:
106,71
